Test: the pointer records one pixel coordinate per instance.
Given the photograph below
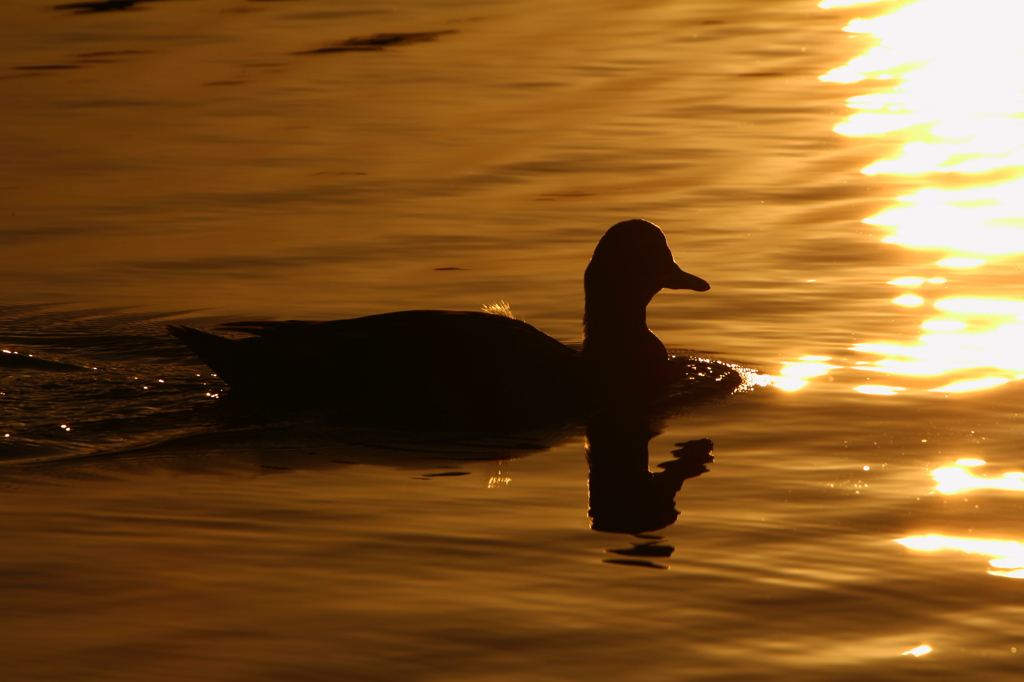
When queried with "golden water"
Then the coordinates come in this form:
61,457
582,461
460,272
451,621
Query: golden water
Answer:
846,177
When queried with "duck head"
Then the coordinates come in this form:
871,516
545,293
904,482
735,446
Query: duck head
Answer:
631,263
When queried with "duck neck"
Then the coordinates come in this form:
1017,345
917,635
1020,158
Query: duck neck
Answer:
615,334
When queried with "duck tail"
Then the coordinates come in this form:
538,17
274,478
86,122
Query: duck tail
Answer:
226,357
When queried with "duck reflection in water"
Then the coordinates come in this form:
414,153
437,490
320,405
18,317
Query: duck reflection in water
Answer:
445,369
625,496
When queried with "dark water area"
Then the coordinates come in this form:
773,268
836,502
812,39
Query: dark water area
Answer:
174,162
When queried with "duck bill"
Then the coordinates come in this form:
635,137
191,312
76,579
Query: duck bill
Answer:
677,279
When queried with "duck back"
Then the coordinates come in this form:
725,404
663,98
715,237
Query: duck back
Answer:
424,365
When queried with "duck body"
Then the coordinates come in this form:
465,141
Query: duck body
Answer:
449,368
435,366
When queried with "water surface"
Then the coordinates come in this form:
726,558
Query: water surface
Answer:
202,162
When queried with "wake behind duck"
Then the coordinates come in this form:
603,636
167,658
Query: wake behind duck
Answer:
447,368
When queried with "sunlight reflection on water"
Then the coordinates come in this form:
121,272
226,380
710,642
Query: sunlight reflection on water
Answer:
1009,556
1008,560
918,651
953,96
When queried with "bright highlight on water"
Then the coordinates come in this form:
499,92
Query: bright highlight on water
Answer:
944,82
955,480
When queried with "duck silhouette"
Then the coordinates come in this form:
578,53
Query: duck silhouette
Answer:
447,368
